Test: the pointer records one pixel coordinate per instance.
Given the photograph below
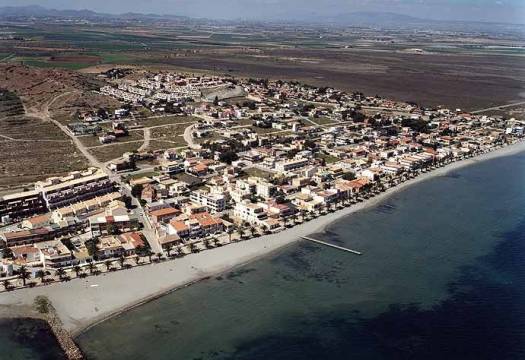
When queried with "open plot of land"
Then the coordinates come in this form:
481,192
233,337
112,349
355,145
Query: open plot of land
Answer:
172,134
93,141
256,172
163,145
114,151
323,121
166,120
10,104
329,159
67,108
31,129
33,150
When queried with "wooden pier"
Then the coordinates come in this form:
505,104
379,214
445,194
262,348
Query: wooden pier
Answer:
332,245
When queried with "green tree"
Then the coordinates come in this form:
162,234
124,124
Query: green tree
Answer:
91,266
61,274
108,264
42,304
23,274
121,261
77,269
41,274
6,284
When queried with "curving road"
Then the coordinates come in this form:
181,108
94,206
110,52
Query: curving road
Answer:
188,137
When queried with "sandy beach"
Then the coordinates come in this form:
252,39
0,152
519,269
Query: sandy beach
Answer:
81,303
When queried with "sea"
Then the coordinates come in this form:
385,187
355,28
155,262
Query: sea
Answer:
442,276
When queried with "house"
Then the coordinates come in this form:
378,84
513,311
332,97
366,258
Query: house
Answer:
290,165
37,221
109,247
149,194
167,241
26,255
208,223
278,210
100,225
25,237
131,241
179,228
55,254
164,215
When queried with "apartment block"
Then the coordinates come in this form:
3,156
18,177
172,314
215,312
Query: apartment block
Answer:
77,186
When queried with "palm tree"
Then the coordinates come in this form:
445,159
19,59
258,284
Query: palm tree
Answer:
169,249
41,275
61,273
6,284
91,266
23,274
122,260
108,264
194,248
77,269
149,254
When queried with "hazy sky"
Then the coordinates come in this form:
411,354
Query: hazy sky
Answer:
483,10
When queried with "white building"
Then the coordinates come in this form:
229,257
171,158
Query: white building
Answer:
252,213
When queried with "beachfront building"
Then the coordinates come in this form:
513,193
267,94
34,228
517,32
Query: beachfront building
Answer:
251,213
28,255
195,225
55,254
102,225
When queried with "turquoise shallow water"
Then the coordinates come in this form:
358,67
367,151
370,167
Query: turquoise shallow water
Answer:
442,277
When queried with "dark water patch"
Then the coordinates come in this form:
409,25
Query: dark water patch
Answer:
387,208
238,274
451,175
23,338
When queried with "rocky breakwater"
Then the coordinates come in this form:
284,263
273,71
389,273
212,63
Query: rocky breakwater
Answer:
70,348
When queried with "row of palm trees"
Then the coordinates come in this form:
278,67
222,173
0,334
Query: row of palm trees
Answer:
24,275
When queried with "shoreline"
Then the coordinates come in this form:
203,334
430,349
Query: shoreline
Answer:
82,304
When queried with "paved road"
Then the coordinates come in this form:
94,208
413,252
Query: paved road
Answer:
188,137
498,107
